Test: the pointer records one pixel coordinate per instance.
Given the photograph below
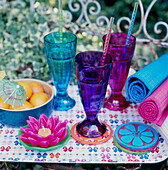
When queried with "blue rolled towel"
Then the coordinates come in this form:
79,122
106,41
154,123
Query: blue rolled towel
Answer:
141,84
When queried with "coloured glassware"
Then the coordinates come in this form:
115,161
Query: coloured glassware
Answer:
60,58
92,83
120,68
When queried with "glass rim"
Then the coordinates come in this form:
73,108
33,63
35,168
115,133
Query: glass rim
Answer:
75,37
116,45
93,66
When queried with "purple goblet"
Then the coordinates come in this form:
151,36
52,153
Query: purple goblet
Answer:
92,78
121,60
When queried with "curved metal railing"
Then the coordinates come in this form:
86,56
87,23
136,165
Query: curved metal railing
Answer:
92,7
88,8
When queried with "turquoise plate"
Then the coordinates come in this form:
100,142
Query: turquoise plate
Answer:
31,147
125,150
136,136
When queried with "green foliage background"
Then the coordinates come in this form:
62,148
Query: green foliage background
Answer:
22,53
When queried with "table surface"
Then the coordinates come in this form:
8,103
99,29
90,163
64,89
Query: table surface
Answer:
74,152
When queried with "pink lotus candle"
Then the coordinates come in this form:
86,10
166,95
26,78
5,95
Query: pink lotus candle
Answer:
44,133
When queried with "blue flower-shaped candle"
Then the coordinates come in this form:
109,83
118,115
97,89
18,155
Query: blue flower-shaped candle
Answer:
136,137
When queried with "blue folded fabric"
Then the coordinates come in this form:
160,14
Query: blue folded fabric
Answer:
141,84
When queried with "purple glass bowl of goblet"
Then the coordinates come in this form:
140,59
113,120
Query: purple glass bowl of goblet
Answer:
92,76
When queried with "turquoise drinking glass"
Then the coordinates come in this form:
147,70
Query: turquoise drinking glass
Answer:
60,58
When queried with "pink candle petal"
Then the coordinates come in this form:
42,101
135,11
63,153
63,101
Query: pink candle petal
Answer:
59,132
50,137
64,124
50,123
44,144
25,130
34,142
31,134
35,126
24,138
44,117
42,122
32,126
63,135
57,127
40,138
24,135
55,142
34,120
56,120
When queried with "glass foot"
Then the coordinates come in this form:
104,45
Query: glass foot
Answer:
63,103
91,129
116,103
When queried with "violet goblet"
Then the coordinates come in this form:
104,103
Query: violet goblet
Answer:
92,78
121,60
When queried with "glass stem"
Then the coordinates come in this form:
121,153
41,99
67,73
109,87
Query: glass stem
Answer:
92,118
114,93
62,93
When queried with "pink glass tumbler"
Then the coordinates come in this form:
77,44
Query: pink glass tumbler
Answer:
121,60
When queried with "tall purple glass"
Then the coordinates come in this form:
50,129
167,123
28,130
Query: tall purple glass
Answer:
92,83
121,60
